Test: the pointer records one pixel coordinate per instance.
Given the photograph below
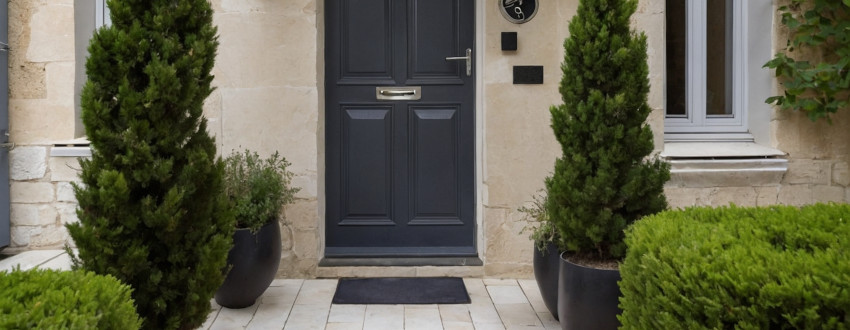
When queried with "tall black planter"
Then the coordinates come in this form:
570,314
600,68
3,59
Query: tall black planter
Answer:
588,298
547,267
254,259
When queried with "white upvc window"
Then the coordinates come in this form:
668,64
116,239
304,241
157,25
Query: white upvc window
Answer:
101,14
706,72
88,16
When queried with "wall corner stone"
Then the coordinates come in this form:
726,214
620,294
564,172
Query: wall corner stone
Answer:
841,174
27,163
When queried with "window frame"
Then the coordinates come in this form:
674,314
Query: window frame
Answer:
101,14
696,121
88,17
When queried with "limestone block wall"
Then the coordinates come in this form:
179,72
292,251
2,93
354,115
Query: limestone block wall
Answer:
41,112
818,168
268,100
518,148
818,152
42,198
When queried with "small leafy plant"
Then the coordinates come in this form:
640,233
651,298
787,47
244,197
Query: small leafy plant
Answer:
257,188
542,230
817,78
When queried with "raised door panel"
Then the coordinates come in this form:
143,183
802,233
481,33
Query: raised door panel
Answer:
434,188
366,22
367,165
433,35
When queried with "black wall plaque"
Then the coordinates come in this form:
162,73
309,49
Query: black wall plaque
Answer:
528,74
518,11
509,41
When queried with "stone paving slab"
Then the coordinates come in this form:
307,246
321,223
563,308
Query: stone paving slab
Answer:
32,259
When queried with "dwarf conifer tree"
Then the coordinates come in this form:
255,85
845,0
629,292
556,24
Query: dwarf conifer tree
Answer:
604,180
151,207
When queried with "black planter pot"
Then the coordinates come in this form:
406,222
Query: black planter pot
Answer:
254,259
547,267
588,298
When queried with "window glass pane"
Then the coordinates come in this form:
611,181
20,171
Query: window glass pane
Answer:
676,64
719,58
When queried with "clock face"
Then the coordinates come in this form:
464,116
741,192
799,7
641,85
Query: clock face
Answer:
518,11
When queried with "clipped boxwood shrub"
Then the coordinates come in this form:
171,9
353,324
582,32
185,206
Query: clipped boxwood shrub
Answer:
49,299
777,267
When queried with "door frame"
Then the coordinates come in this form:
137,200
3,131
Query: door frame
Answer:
479,114
5,213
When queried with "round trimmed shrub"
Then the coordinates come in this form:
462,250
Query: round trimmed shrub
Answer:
777,267
49,299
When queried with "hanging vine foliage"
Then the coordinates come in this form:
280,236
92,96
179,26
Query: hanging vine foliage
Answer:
814,68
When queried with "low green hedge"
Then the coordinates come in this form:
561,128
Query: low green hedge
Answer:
49,299
776,267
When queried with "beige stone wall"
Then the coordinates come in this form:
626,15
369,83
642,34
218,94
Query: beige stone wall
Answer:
41,70
267,100
41,112
519,148
269,97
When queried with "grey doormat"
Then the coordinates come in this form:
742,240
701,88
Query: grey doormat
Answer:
401,290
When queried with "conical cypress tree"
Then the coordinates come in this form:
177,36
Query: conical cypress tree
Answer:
150,207
604,180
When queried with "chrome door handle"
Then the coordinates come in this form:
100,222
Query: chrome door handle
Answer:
467,58
398,93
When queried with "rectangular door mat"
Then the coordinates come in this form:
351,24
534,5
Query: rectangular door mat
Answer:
401,290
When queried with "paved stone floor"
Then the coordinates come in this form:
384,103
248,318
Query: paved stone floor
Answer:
306,304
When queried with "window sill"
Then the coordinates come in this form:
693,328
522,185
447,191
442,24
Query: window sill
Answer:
71,148
723,164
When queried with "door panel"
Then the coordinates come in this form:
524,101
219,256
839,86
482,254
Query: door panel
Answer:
434,164
367,165
431,40
366,23
400,173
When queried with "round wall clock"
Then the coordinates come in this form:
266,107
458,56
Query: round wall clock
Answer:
518,11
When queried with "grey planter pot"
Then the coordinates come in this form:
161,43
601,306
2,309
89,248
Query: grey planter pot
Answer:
254,260
547,268
588,298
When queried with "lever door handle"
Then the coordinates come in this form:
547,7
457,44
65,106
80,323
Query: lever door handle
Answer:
467,58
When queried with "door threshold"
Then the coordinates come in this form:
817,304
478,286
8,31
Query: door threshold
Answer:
403,261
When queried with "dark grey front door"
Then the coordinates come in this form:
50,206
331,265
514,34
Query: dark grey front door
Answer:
400,122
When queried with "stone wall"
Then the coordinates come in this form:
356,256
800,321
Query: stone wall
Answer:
41,106
42,199
518,148
267,100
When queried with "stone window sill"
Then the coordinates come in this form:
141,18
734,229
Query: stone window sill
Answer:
71,148
723,164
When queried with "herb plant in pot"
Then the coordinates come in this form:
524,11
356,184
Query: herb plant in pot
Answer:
605,179
547,261
257,190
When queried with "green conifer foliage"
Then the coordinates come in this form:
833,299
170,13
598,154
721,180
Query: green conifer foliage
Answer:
151,207
604,180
